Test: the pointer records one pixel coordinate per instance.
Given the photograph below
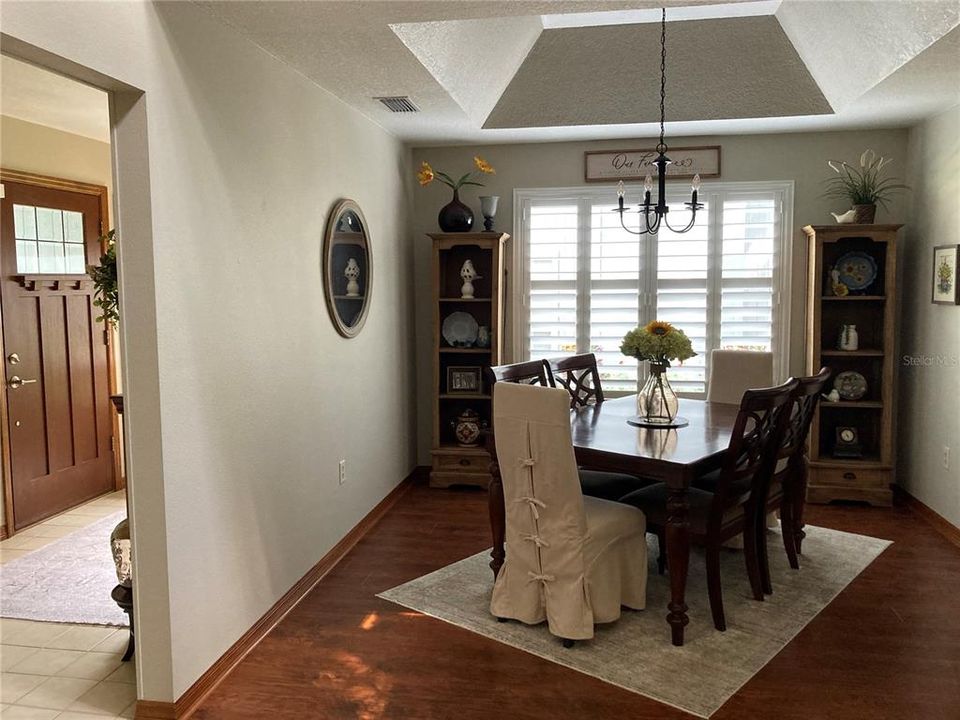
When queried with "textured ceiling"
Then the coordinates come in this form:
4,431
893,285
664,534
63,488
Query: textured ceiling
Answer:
45,98
469,64
716,69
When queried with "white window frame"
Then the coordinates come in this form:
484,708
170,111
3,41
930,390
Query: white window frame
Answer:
710,192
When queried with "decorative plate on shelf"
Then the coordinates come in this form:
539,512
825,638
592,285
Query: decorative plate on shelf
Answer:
857,270
851,385
460,329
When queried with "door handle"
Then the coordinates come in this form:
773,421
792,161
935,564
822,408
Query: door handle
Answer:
16,382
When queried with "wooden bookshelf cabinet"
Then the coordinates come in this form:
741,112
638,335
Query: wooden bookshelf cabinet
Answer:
868,476
452,463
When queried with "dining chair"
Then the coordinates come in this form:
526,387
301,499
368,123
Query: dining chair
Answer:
595,483
733,507
532,372
578,375
787,486
571,560
734,371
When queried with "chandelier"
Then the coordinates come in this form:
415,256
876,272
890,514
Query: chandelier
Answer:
660,210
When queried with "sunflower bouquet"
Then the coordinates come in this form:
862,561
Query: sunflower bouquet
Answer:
426,174
659,343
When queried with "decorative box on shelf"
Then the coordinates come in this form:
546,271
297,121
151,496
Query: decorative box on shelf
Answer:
851,310
467,339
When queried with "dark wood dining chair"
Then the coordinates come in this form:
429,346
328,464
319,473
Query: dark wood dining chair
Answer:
578,375
733,508
593,483
787,486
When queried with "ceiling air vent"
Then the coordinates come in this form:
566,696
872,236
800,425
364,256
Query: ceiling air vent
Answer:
398,104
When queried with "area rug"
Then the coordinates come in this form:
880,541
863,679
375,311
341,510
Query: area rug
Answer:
635,652
67,581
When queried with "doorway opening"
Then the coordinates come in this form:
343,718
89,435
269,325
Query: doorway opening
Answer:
63,471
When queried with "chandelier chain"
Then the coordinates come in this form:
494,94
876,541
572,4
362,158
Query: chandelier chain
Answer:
662,146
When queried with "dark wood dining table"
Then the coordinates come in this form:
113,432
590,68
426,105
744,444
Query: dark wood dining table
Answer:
604,440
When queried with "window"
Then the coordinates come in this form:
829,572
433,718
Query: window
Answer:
49,240
585,281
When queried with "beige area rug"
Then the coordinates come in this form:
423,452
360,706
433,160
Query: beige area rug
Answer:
635,652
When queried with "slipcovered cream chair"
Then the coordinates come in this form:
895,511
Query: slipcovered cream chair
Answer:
570,560
732,372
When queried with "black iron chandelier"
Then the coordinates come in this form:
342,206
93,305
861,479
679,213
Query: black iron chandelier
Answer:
660,210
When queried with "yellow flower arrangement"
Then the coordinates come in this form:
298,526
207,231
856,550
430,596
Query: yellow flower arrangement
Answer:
426,174
659,343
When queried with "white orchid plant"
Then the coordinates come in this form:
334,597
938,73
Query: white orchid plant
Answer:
863,185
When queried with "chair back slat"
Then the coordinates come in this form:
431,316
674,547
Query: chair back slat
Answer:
756,436
579,376
532,372
804,403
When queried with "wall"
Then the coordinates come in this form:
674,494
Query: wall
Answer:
930,334
797,157
242,395
29,147
45,150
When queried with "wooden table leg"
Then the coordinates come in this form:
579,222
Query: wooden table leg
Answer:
678,559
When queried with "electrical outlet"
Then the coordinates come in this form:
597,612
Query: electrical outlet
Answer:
946,457
342,471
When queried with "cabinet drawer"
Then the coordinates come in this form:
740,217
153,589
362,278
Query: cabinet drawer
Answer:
850,477
462,463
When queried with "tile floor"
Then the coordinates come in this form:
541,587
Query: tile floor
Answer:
59,670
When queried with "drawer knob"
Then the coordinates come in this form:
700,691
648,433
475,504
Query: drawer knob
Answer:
464,462
849,476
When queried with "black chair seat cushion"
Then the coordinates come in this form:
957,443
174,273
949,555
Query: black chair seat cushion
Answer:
709,483
653,501
608,485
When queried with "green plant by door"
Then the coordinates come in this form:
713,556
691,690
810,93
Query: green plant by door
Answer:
105,281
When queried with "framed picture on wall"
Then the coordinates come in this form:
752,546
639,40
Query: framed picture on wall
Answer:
464,379
685,162
946,289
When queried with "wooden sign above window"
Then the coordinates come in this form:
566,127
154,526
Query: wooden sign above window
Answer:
614,165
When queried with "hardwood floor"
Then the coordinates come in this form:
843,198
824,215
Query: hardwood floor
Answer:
887,647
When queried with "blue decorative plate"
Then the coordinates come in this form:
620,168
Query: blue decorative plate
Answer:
857,270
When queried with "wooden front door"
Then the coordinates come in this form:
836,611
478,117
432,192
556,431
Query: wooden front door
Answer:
55,352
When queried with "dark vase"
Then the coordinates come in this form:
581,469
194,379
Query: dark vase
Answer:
865,214
455,216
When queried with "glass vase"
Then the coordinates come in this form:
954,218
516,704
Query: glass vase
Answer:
657,403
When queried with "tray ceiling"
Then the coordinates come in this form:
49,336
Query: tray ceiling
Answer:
496,71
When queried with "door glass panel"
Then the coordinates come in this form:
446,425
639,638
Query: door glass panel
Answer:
72,226
51,257
49,224
75,258
49,240
25,222
27,257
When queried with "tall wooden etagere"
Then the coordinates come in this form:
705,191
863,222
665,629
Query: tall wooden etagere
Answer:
452,462
852,452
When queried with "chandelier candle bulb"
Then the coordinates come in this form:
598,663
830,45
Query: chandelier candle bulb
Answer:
620,192
647,187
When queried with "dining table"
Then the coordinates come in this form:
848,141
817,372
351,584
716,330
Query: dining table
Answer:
603,439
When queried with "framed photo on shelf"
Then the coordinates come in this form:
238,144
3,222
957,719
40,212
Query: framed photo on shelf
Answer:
464,379
946,289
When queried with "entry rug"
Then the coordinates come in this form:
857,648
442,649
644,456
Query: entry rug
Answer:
67,581
635,652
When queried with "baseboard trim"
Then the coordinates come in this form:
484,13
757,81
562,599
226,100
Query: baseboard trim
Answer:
939,523
216,673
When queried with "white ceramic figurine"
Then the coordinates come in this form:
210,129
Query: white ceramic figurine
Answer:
352,273
468,274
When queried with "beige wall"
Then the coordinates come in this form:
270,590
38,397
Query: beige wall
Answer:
930,334
44,150
797,157
243,397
